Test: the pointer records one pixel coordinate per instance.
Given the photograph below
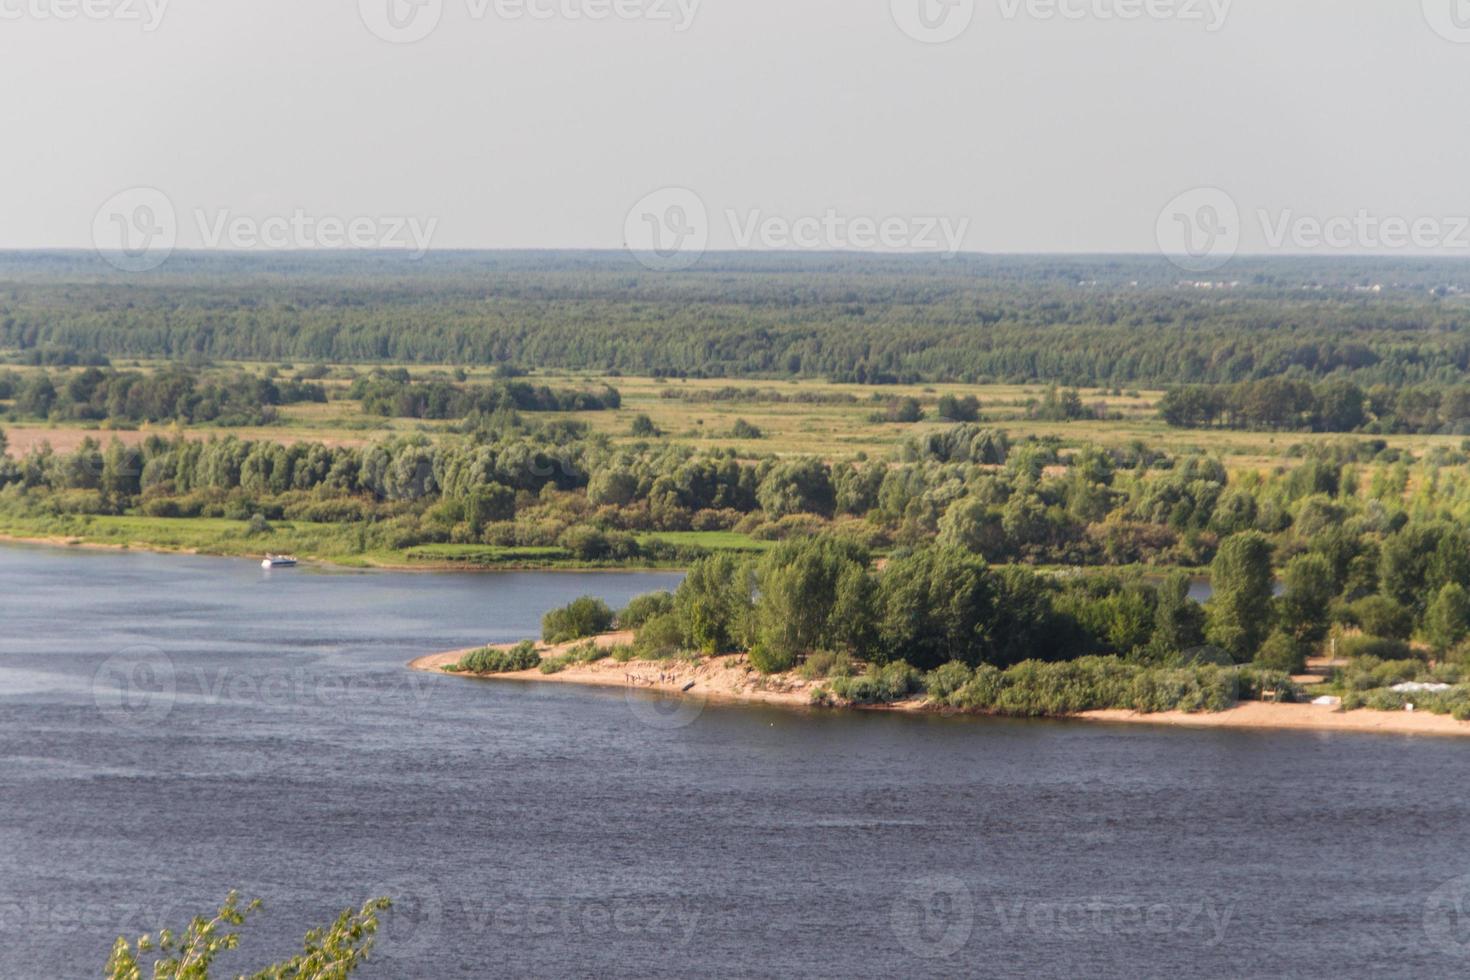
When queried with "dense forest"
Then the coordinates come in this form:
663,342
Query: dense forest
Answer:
1073,321
1329,406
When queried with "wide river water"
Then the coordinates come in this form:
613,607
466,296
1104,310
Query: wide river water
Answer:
175,727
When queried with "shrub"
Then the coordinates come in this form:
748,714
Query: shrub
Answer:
488,660
825,663
1375,646
1037,689
644,428
582,653
769,659
1282,652
980,692
1204,689
641,609
580,618
946,679
879,685
1365,673
1378,615
659,638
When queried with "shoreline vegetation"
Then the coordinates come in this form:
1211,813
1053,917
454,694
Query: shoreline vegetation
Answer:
731,679
817,622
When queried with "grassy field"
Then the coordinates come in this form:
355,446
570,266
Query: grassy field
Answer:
337,544
831,420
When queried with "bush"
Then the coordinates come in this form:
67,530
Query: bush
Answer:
641,609
945,680
580,618
1205,689
659,638
769,659
1378,615
744,430
879,685
582,653
1353,647
643,427
1366,673
1037,689
522,656
825,663
1282,652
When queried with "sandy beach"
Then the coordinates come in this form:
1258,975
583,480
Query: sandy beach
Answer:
729,678
732,679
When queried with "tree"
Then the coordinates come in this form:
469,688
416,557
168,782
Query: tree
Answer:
797,486
487,503
330,953
587,616
807,589
936,605
952,409
1239,613
1179,621
1447,620
713,604
972,525
612,485
1282,652
1379,615
644,428
36,396
1309,590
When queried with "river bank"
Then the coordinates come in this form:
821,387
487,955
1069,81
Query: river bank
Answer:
731,679
185,540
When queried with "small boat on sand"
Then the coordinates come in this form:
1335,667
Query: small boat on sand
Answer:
278,561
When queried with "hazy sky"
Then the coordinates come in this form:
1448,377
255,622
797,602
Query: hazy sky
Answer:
1029,131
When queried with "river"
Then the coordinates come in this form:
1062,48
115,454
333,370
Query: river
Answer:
174,727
